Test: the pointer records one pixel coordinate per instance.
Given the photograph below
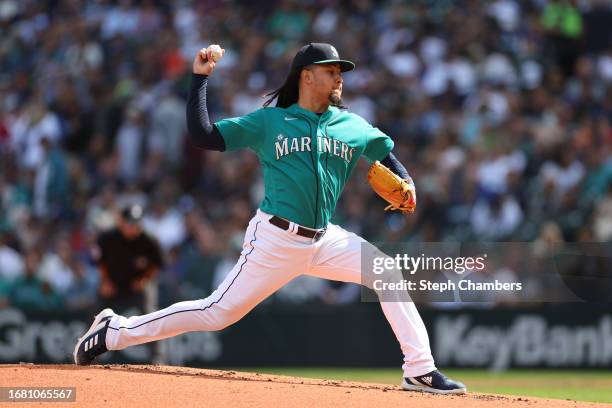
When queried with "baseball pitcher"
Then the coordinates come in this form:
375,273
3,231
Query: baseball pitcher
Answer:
308,146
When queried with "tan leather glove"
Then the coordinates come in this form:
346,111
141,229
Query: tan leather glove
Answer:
399,193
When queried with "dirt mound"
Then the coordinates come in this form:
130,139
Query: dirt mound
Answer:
166,387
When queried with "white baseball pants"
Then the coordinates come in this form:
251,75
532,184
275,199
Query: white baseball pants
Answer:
271,258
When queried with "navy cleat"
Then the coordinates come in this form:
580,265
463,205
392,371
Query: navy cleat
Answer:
434,382
93,343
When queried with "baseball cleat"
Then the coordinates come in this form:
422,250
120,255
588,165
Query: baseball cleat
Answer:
93,342
434,382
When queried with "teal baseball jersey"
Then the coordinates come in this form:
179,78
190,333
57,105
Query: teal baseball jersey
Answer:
306,158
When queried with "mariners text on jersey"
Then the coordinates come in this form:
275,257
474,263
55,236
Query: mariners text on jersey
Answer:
325,145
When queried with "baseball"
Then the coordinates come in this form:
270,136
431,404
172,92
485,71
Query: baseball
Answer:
216,52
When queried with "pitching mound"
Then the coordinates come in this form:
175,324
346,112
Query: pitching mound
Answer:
166,387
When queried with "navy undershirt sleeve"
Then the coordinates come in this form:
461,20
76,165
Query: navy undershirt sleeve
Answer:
395,166
202,133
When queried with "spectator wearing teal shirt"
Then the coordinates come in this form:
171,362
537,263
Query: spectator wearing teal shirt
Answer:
29,292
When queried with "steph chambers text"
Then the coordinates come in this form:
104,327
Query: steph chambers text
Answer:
447,286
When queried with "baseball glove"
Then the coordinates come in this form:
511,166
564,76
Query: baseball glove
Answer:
399,193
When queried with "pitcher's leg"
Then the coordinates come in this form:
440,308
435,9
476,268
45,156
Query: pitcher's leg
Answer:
339,258
250,282
412,335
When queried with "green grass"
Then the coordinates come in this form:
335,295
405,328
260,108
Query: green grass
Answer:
593,386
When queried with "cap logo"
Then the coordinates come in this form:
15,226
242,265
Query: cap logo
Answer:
334,52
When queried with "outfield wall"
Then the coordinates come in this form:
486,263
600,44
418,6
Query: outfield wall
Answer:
553,336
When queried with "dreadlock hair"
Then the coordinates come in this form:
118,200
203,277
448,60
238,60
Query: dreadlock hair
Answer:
289,92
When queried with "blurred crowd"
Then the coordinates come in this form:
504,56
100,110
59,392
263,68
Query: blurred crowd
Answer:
501,111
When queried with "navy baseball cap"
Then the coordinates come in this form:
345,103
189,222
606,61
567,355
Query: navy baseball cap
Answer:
319,53
132,214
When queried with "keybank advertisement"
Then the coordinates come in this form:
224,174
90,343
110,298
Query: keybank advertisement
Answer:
529,341
558,336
